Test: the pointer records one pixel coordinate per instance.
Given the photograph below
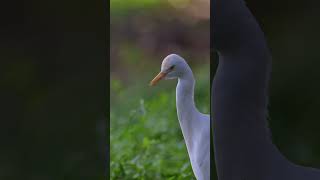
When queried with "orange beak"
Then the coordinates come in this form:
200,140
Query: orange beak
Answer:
156,79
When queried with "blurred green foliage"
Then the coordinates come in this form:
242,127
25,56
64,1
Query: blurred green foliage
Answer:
146,139
122,7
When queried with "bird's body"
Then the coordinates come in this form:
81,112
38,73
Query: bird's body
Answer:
242,142
195,126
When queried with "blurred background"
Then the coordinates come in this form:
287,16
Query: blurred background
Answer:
292,31
146,140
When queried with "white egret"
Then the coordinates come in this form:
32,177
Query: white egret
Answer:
195,126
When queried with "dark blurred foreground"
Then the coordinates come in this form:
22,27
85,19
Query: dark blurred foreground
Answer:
53,90
292,32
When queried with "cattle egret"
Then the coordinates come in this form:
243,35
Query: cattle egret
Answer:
195,126
242,142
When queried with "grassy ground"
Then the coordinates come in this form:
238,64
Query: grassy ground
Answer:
146,140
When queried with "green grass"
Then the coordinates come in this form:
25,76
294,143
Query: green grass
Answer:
123,7
146,139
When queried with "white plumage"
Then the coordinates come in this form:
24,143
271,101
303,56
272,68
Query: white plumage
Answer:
195,126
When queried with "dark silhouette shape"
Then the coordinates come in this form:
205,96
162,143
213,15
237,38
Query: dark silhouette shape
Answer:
242,142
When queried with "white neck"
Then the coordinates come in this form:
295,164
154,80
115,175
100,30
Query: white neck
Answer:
194,125
186,109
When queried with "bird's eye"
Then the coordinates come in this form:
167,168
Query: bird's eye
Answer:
171,68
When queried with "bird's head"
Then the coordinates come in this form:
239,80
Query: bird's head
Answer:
173,66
